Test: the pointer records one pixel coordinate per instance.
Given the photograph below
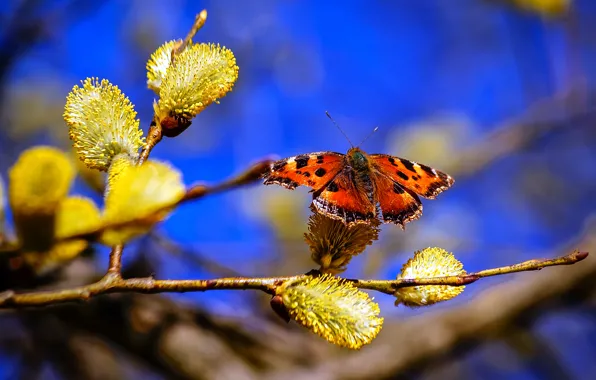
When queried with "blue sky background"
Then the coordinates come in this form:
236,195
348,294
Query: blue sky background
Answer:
435,76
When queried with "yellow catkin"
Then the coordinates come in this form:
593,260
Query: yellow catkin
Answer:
158,64
138,198
119,164
95,179
38,182
428,263
545,8
202,74
333,309
102,123
74,216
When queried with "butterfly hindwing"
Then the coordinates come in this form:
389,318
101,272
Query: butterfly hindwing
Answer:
345,200
398,204
312,170
418,178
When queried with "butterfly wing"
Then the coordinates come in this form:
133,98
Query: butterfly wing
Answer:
418,178
343,199
313,170
398,204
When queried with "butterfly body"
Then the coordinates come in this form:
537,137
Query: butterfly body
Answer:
359,188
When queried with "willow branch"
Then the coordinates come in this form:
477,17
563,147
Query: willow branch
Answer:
389,287
194,192
249,176
114,283
155,135
447,334
200,20
192,257
115,263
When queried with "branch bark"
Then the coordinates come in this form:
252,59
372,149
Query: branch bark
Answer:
113,282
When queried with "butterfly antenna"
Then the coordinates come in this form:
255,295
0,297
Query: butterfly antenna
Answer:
370,134
338,127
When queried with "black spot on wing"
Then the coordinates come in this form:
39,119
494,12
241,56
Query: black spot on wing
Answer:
332,187
320,172
301,161
279,165
428,170
392,161
319,159
402,175
408,165
438,187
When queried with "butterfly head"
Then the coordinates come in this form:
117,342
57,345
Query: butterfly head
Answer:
357,159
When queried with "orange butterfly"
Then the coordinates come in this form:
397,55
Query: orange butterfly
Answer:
349,186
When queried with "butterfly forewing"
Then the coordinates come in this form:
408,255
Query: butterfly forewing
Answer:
313,170
420,179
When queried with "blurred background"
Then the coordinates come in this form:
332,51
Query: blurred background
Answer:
499,94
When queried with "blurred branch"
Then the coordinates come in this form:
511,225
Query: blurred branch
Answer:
191,256
536,353
439,335
185,343
97,360
112,282
29,24
545,116
56,343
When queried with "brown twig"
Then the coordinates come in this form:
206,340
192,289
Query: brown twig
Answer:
192,193
249,176
115,263
155,135
111,283
198,24
389,287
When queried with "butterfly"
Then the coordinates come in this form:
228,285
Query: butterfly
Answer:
357,187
